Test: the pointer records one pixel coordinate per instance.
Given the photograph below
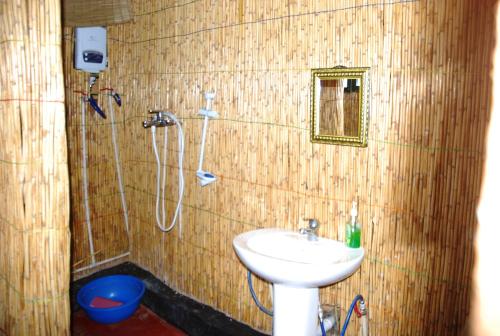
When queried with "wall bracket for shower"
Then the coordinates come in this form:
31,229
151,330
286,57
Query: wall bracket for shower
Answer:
204,177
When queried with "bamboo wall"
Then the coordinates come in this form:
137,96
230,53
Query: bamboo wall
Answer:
106,215
109,234
34,200
95,12
417,182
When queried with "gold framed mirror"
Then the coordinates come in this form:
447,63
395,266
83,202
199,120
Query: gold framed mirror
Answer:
340,106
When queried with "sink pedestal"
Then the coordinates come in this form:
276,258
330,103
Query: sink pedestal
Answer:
297,266
295,310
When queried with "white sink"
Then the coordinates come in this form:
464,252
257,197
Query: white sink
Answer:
290,258
297,266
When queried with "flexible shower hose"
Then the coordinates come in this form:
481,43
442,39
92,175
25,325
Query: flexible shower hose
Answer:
178,212
357,298
254,296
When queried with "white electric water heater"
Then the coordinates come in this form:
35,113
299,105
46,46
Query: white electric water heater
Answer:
90,49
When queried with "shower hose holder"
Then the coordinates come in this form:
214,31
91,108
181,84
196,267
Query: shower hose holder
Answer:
205,177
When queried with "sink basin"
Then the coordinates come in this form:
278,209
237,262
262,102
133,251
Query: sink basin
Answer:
296,266
287,257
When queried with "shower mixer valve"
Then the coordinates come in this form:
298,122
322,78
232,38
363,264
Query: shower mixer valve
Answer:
159,119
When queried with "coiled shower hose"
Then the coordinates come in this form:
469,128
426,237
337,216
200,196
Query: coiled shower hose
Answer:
178,212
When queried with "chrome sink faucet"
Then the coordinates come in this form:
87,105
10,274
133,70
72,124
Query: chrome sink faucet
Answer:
312,230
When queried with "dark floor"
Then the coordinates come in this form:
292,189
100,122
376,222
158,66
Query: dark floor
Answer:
143,322
179,311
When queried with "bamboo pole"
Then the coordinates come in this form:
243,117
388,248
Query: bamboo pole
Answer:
34,220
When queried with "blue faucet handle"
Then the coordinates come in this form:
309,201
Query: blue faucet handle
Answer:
117,98
96,107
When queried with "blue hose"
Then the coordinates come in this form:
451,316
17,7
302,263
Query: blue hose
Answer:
323,331
254,296
349,313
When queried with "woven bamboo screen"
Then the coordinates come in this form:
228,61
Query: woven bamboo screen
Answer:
417,182
34,201
95,12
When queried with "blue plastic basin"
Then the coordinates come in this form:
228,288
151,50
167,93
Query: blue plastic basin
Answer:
124,288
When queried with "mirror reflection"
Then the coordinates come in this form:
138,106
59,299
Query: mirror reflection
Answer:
339,106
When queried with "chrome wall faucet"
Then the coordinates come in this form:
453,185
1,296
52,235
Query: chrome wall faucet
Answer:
159,119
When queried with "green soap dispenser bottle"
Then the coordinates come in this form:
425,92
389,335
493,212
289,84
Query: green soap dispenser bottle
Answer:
353,228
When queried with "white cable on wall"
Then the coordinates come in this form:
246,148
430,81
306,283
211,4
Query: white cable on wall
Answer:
85,181
118,166
85,186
